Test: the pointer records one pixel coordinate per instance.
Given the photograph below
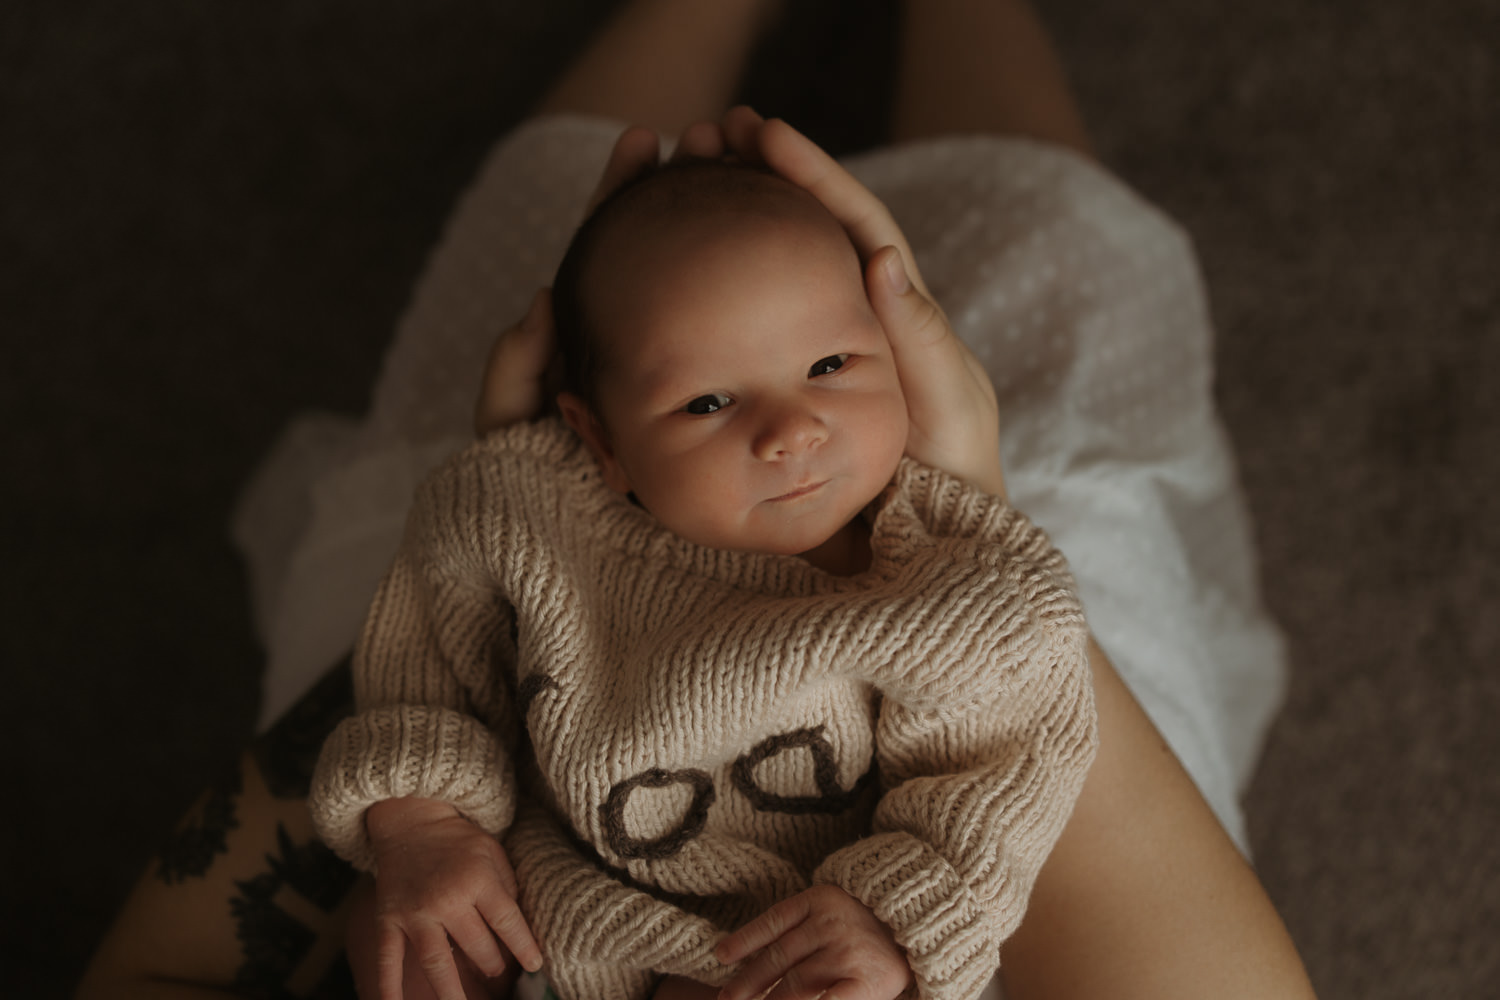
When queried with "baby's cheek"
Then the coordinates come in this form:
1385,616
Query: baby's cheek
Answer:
888,423
692,503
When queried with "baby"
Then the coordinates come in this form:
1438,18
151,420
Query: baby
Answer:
721,666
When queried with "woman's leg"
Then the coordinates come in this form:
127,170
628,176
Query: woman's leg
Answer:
982,66
664,63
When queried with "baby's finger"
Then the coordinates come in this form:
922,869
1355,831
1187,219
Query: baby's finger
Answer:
804,982
635,150
778,960
799,984
389,961
504,918
764,929
435,956
475,939
702,141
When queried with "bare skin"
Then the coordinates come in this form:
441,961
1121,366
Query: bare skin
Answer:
982,66
696,53
270,910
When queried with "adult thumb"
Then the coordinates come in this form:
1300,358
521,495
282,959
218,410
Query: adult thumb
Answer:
912,321
514,385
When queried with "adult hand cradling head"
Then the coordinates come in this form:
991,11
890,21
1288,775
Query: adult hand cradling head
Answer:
954,421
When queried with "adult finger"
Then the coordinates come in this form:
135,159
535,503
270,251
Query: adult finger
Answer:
794,156
906,311
955,418
741,127
803,162
636,149
513,384
701,141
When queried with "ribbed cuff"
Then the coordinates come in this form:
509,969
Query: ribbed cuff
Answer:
952,945
407,751
599,936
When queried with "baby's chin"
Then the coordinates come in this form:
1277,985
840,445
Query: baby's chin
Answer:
770,543
844,551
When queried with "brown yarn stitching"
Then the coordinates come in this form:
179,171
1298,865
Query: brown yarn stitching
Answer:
832,799
612,813
533,685
698,905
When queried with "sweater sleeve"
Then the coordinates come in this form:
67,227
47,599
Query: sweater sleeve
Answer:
433,676
601,936
975,800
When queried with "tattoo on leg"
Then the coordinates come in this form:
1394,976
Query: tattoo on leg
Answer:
288,751
191,848
281,920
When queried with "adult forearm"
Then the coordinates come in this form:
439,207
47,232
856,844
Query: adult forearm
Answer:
1145,895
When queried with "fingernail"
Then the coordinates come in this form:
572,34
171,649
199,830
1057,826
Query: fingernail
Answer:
895,273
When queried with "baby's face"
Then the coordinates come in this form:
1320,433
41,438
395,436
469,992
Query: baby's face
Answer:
748,395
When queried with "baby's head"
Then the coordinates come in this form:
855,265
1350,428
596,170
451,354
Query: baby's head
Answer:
723,362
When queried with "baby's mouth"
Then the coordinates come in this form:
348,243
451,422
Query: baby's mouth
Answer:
801,491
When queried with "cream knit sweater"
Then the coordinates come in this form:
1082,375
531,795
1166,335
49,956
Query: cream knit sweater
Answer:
671,737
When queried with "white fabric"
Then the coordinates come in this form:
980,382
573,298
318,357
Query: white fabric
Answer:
1085,305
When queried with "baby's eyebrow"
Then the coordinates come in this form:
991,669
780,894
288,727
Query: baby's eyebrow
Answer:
658,384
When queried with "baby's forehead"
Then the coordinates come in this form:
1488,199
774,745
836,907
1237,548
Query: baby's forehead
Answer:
727,238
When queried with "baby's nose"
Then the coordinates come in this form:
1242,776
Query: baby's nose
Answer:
789,431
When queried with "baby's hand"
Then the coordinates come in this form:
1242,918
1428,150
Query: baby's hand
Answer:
821,941
440,877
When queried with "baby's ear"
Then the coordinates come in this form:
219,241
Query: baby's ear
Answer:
581,417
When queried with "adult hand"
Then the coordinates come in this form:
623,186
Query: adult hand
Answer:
955,420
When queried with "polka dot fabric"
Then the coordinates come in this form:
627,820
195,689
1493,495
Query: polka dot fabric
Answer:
1083,302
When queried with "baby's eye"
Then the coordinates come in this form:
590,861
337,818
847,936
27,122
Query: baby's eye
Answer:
824,366
711,403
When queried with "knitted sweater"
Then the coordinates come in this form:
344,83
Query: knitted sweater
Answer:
672,737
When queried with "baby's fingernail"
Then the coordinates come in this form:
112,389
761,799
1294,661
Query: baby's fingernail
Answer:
895,273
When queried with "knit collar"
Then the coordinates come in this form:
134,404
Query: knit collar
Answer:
546,449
